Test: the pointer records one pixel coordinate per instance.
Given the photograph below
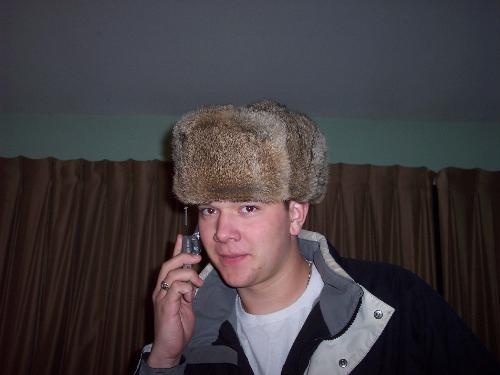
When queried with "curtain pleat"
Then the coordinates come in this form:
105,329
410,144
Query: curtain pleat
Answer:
469,214
382,214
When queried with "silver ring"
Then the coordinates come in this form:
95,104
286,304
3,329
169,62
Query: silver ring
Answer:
164,286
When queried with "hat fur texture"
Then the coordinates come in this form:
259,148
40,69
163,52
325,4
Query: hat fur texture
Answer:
259,153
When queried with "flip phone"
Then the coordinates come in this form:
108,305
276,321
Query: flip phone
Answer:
191,244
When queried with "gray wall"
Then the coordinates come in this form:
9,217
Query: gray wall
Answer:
118,137
404,82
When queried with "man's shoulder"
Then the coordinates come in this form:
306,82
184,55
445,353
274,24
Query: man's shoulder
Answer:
413,299
369,270
390,282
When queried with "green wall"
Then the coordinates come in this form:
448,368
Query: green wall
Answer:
435,145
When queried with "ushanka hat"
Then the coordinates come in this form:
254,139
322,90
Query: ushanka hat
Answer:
263,152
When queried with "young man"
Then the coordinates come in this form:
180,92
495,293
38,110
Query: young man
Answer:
277,299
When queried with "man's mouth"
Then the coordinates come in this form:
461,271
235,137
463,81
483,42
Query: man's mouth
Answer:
233,259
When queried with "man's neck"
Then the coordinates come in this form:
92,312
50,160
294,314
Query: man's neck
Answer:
279,292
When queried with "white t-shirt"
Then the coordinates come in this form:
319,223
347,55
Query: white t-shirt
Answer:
267,339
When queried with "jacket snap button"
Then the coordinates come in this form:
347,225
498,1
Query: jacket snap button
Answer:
378,314
343,363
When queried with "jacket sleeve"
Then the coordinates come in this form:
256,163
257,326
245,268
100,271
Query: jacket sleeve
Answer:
144,369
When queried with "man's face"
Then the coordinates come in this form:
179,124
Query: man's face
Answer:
249,243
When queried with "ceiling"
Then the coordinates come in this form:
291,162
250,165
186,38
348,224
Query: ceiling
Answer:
427,60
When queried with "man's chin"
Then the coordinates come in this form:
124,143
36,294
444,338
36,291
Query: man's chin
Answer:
234,281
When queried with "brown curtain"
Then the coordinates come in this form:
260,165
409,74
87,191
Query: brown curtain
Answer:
380,213
80,245
469,215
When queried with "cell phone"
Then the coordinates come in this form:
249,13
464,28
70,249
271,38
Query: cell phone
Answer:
191,244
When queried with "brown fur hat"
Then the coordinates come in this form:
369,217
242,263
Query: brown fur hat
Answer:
263,153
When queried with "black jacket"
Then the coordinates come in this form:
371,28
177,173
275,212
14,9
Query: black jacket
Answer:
371,318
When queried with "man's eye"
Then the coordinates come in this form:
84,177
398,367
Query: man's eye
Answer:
249,209
207,211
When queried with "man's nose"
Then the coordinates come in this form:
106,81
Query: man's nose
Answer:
226,229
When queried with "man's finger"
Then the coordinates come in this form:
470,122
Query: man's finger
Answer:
177,261
178,245
176,291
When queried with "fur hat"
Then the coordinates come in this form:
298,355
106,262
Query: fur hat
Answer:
263,152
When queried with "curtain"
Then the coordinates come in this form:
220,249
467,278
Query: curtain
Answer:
80,245
380,214
469,216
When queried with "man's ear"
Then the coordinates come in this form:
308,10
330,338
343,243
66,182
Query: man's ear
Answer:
297,212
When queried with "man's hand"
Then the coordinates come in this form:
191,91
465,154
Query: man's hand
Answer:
174,317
